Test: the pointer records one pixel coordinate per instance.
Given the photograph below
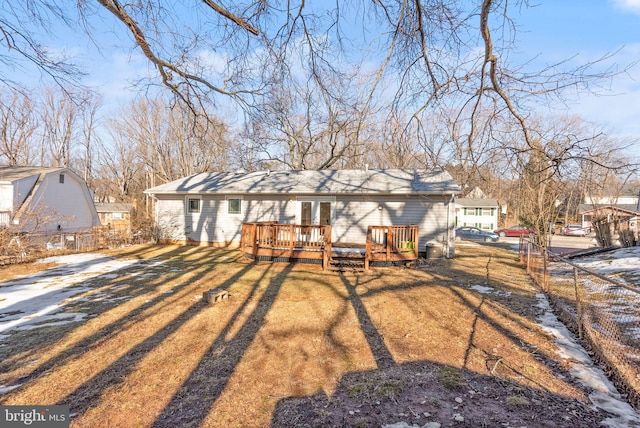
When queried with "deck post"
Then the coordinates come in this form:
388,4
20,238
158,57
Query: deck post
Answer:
367,250
291,241
326,255
254,240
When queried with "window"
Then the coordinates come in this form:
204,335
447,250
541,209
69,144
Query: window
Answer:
117,216
61,179
487,211
193,205
234,205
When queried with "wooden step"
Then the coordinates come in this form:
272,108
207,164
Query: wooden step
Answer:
348,264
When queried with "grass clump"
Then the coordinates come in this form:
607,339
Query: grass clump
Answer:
517,401
389,389
360,389
450,378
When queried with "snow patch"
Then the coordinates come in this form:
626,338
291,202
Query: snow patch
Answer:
605,397
487,290
31,300
5,389
50,320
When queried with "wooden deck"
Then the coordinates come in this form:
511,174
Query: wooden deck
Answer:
273,241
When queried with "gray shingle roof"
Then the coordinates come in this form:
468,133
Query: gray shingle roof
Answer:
388,181
13,173
583,208
479,202
113,207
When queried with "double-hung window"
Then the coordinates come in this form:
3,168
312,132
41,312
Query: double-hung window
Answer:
234,205
194,205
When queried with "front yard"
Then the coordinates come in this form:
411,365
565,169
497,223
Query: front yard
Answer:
452,341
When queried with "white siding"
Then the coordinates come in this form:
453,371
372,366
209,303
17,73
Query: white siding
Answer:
355,214
486,220
214,223
6,198
65,204
170,218
352,215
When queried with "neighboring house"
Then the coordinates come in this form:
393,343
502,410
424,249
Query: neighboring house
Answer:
45,200
621,211
115,216
611,200
480,213
210,208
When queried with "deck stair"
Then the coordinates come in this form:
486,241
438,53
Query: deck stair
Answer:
347,258
346,264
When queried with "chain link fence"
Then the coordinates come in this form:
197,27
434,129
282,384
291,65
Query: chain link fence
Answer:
604,312
22,248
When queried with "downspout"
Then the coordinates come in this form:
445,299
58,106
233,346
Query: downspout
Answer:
156,228
451,251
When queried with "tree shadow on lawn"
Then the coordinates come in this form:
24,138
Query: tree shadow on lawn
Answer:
424,391
428,391
374,298
207,381
88,394
487,318
31,344
197,398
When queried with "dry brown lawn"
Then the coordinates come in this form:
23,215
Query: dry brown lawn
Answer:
296,346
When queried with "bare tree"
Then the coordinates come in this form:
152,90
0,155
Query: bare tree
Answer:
300,127
170,141
17,127
119,170
59,118
438,49
90,124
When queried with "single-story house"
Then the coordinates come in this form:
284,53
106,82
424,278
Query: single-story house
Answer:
45,200
480,213
116,215
209,208
625,216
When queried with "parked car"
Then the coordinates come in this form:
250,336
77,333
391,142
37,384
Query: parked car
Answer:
574,230
474,234
516,230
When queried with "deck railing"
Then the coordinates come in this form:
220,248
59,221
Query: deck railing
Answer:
272,240
287,241
391,243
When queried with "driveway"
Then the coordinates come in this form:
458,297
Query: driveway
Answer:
560,244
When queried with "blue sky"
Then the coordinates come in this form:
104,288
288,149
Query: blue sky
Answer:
587,30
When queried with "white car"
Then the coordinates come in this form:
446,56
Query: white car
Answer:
574,230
